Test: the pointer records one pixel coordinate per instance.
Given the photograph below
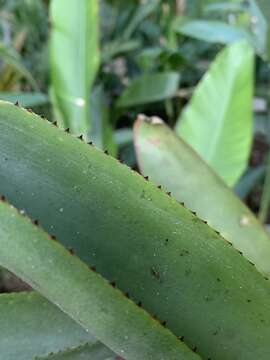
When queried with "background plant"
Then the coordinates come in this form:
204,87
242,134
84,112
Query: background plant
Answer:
90,68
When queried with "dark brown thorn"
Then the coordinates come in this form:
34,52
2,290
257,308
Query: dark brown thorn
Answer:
42,117
182,338
159,186
146,178
195,349
35,222
106,152
163,323
3,198
17,103
90,143
80,137
169,193
71,250
182,203
139,304
127,295
67,130
54,123
93,268
53,237
113,284
194,213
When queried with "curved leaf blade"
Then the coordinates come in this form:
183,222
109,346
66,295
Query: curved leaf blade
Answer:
137,236
83,294
217,122
193,182
37,327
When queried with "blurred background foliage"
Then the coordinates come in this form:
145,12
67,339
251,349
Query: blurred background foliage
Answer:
131,57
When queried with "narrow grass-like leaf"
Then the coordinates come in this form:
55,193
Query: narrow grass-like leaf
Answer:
150,88
135,235
193,182
74,61
217,122
83,294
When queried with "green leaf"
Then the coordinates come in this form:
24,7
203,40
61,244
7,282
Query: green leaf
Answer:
26,99
210,30
37,327
10,56
191,181
95,351
82,293
101,132
217,122
150,88
135,235
74,61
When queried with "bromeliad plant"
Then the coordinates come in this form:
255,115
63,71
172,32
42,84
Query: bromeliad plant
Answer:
141,275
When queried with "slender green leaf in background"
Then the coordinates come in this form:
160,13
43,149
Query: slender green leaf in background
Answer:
25,99
260,18
217,121
251,178
74,59
83,294
135,235
170,162
210,30
150,88
101,131
40,328
142,10
11,57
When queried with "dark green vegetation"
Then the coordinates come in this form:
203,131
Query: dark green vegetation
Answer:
170,265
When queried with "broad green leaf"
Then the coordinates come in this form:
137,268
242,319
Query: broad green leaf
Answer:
192,181
74,61
150,88
136,235
25,99
217,121
210,30
31,326
83,294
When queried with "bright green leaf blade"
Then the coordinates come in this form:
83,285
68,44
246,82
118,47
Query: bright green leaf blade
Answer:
84,295
25,99
191,181
210,30
150,88
217,122
137,236
31,326
74,60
